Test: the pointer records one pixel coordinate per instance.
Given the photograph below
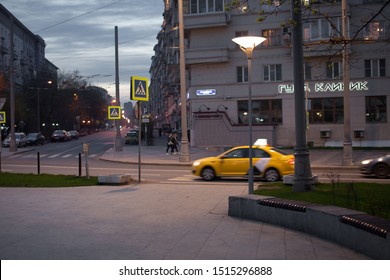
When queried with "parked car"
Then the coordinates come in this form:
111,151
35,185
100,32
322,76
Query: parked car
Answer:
59,135
131,137
379,167
35,138
74,134
68,136
268,162
20,139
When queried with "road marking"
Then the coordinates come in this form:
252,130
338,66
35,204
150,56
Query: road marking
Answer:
56,155
66,156
15,156
29,156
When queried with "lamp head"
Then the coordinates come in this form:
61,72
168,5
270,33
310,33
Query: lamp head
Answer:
248,42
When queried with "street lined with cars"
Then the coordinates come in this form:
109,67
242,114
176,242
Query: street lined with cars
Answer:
20,139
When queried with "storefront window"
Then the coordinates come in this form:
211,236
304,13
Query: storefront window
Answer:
376,109
263,112
326,110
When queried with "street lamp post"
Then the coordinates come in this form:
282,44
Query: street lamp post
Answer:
303,179
248,44
184,150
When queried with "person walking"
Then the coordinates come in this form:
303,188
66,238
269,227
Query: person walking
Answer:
175,142
169,143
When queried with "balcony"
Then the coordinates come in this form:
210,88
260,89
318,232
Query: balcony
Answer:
198,56
206,20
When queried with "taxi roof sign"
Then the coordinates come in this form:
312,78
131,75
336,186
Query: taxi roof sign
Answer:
114,112
139,88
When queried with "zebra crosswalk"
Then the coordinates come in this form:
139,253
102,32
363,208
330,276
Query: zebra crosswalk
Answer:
32,156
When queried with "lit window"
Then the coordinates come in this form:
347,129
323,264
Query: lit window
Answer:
273,37
374,30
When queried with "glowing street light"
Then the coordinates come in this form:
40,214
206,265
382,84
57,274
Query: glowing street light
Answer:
248,44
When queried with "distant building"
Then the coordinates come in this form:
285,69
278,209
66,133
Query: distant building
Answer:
217,74
31,66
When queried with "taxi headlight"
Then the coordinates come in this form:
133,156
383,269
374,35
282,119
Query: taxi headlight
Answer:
196,163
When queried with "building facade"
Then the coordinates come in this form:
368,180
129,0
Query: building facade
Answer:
217,73
30,64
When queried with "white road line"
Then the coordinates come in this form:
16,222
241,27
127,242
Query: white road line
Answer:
56,155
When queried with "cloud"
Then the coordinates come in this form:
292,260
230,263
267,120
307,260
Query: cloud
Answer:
79,35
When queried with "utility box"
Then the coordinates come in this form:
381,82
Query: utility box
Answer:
358,133
325,133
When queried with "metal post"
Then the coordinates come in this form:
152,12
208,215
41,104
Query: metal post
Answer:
38,163
2,102
12,144
250,171
118,138
347,144
184,149
303,179
80,165
38,111
139,139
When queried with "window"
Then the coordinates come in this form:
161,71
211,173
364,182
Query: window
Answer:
374,30
240,34
263,111
242,74
273,72
206,6
239,153
307,70
319,29
326,110
376,111
375,68
273,36
334,70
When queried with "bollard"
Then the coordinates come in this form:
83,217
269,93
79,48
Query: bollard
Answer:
79,164
38,163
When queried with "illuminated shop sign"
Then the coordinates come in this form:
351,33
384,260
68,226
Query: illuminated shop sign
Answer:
326,87
204,92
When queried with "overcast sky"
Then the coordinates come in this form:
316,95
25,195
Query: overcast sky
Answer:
80,35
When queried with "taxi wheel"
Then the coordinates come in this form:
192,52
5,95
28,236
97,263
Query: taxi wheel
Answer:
208,174
271,175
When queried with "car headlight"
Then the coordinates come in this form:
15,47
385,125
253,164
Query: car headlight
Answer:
196,163
367,161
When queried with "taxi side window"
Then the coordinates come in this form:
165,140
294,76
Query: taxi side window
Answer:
258,153
239,153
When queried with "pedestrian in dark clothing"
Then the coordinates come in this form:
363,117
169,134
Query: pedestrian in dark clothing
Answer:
175,142
169,143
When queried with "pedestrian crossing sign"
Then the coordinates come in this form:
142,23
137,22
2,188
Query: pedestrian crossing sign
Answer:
2,117
114,112
139,89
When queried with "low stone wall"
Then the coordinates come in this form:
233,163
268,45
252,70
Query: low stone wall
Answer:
356,230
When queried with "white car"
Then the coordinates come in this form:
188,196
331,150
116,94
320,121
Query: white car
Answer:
20,139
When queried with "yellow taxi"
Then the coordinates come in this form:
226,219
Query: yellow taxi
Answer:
268,162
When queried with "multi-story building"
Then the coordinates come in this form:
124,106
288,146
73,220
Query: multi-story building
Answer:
30,64
217,73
